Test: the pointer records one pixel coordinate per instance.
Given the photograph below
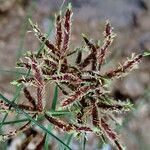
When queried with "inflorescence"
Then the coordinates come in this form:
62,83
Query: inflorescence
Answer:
85,89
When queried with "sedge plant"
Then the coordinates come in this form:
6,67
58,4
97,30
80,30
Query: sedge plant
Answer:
85,97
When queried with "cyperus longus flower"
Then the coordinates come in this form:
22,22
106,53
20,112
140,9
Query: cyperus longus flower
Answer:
83,85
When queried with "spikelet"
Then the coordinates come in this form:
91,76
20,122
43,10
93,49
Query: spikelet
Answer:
50,63
81,92
115,107
66,77
39,83
67,126
29,97
79,57
93,54
26,142
95,118
125,68
110,133
109,36
58,32
86,61
67,32
40,145
25,107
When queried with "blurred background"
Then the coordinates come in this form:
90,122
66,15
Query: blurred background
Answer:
131,22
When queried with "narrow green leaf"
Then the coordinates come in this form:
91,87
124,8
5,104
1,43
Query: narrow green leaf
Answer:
58,113
54,102
47,140
69,140
84,141
15,121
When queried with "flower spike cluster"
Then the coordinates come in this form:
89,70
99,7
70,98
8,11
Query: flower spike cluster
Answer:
83,85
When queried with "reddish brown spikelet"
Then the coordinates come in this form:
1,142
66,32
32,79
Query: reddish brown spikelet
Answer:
25,127
25,107
81,92
83,128
58,32
60,124
67,127
57,122
118,145
128,65
110,133
95,119
89,44
86,61
108,29
41,144
67,32
78,128
30,134
50,63
79,57
39,83
40,93
29,97
26,142
36,71
93,52
109,35
110,107
67,77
